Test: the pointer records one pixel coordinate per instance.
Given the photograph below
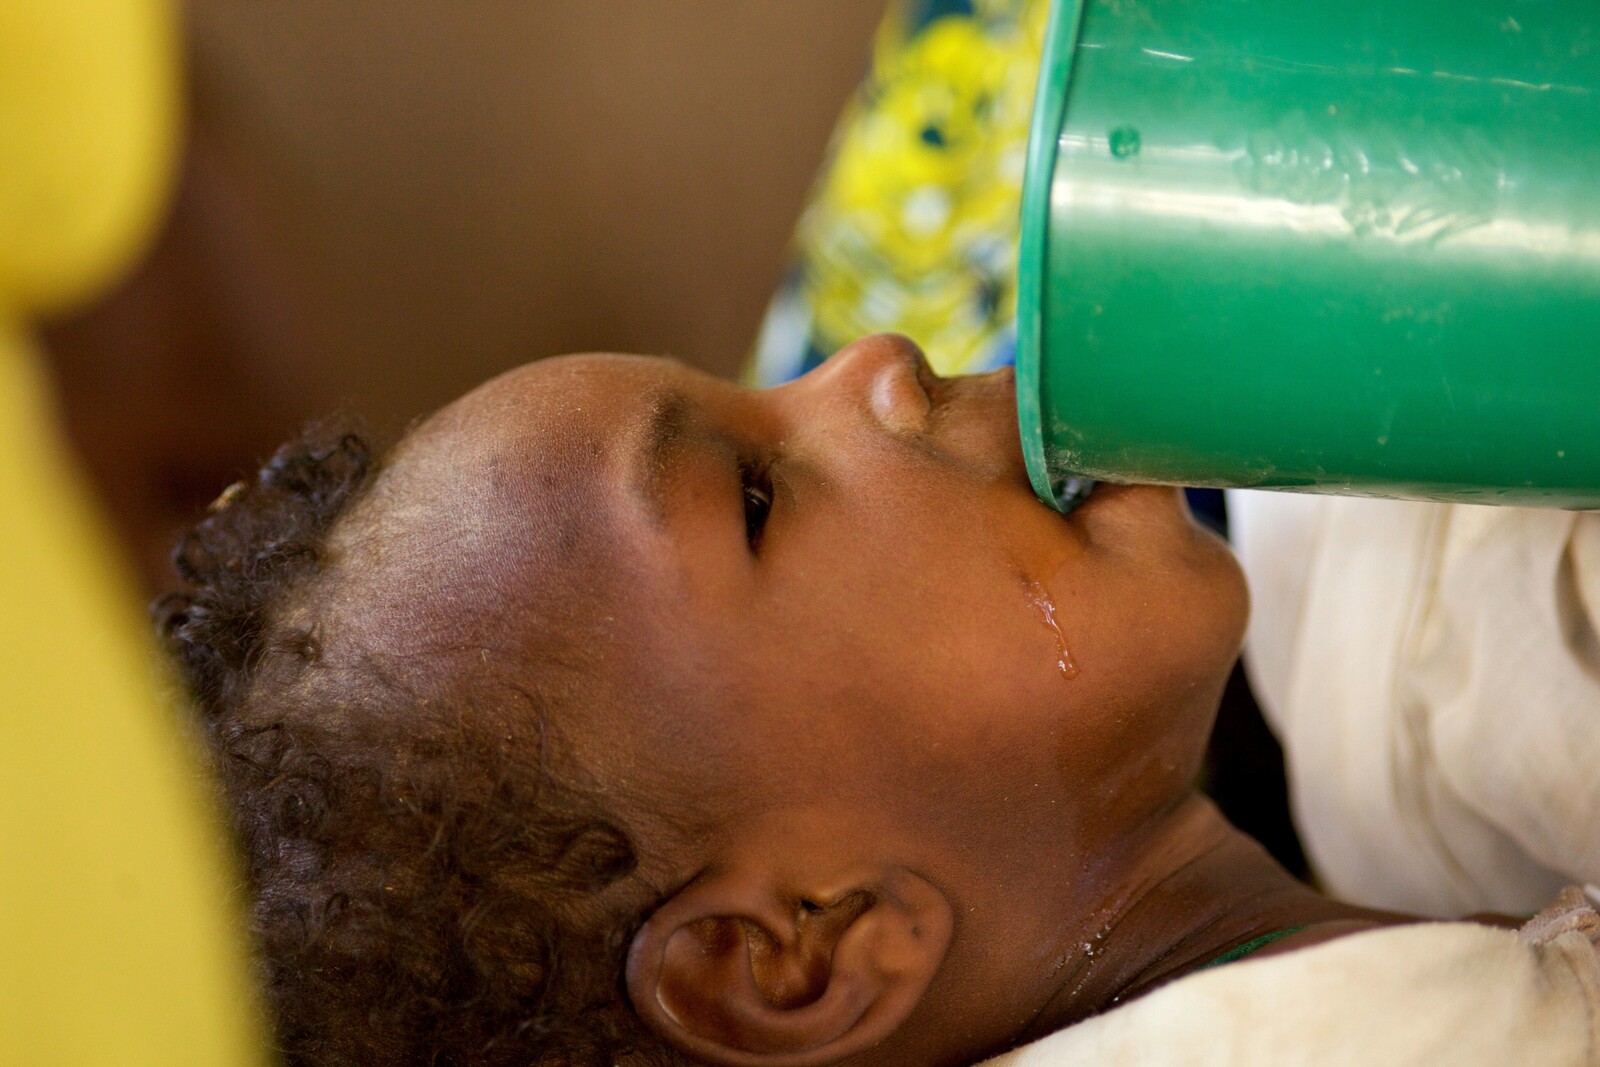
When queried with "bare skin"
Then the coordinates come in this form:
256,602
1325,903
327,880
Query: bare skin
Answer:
885,826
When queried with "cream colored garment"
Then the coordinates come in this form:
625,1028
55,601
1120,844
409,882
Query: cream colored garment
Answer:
1408,996
1434,675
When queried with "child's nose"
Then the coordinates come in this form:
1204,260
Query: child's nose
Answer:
887,376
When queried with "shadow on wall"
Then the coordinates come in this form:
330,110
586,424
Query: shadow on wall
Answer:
385,202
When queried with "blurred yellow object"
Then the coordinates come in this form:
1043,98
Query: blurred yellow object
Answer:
118,940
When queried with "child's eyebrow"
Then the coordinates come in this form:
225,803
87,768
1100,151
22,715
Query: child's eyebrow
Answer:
670,420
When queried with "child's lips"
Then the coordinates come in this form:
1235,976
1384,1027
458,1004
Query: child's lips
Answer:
982,422
974,422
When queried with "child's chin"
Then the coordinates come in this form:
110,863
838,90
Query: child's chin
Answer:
1119,502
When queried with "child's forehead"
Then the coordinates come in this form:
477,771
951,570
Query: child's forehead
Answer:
557,421
571,389
503,502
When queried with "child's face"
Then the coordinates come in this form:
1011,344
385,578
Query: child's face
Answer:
873,648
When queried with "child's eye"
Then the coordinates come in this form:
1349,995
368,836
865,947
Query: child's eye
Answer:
757,502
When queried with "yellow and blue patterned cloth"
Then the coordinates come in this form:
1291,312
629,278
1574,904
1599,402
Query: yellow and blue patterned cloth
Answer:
913,224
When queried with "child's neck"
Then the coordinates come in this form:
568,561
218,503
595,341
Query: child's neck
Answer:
1201,889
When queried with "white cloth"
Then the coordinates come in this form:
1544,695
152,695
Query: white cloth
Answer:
1434,674
1407,996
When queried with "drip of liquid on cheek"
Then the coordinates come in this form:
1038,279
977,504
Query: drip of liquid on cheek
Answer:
1039,597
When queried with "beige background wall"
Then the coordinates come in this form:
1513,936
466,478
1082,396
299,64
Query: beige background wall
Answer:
386,201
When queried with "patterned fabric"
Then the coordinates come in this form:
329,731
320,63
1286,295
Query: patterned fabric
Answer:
913,224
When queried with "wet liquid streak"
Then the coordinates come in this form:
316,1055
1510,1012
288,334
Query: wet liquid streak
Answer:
1039,597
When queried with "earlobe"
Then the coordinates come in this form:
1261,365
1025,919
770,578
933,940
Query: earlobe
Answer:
735,972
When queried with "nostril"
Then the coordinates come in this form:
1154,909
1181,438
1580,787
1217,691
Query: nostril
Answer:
898,398
890,375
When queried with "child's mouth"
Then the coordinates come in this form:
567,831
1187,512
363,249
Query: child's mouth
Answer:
1070,492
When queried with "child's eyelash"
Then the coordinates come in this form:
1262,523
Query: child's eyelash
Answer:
756,488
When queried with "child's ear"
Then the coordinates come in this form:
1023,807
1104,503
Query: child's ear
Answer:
734,972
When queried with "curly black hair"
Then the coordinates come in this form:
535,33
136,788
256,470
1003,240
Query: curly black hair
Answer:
420,893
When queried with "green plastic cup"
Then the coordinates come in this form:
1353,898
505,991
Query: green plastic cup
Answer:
1344,248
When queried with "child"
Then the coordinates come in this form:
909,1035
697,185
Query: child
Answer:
627,716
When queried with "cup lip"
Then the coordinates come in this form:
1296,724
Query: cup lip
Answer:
1049,111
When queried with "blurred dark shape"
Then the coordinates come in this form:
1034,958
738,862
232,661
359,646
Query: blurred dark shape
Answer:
384,202
1245,775
1244,771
